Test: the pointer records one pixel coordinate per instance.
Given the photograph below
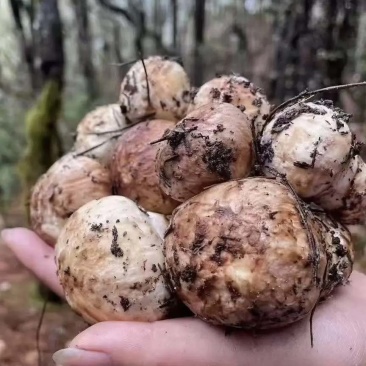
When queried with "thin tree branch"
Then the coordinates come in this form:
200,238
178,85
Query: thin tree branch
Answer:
118,10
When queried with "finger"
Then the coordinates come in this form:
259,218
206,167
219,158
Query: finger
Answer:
34,254
339,330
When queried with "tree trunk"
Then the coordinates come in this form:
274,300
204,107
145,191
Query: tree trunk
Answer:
338,31
17,8
174,8
117,49
313,39
43,140
199,28
85,46
43,146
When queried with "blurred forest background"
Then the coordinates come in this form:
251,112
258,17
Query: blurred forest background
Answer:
59,59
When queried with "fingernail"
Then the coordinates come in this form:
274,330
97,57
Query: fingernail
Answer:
80,357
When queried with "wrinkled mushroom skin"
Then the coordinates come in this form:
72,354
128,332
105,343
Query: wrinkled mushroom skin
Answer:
310,143
93,129
110,261
133,169
238,91
210,145
353,210
340,252
169,90
70,182
238,255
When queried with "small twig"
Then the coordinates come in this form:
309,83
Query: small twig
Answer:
311,325
147,80
107,132
123,63
257,165
311,93
303,211
308,94
164,138
38,331
96,146
169,134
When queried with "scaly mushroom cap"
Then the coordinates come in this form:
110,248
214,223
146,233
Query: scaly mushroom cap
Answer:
353,211
310,143
239,254
93,129
169,90
238,91
110,263
69,183
210,145
340,252
133,168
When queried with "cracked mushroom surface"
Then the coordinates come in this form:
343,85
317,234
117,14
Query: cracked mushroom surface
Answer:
165,96
239,254
238,91
69,183
353,210
96,130
133,166
111,265
311,144
340,252
210,145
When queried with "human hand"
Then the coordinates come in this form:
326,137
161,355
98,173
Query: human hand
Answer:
339,328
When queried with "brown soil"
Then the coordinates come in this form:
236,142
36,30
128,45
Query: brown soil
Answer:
20,309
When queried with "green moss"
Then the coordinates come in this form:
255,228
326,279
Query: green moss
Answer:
43,140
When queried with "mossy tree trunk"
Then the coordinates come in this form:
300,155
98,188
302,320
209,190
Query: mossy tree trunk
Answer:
43,140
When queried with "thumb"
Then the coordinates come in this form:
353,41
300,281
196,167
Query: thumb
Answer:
170,342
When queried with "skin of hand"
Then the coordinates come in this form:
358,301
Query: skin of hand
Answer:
339,328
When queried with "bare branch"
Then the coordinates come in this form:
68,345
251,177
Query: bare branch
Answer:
118,10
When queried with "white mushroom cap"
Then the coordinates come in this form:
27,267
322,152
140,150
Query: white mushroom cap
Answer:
69,183
239,254
210,145
310,143
353,210
111,264
93,130
169,90
238,91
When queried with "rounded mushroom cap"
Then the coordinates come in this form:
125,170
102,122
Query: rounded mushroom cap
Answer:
110,263
340,253
238,91
93,129
332,198
310,143
169,90
353,211
239,254
69,183
133,168
210,145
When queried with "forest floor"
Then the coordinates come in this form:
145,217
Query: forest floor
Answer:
20,310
